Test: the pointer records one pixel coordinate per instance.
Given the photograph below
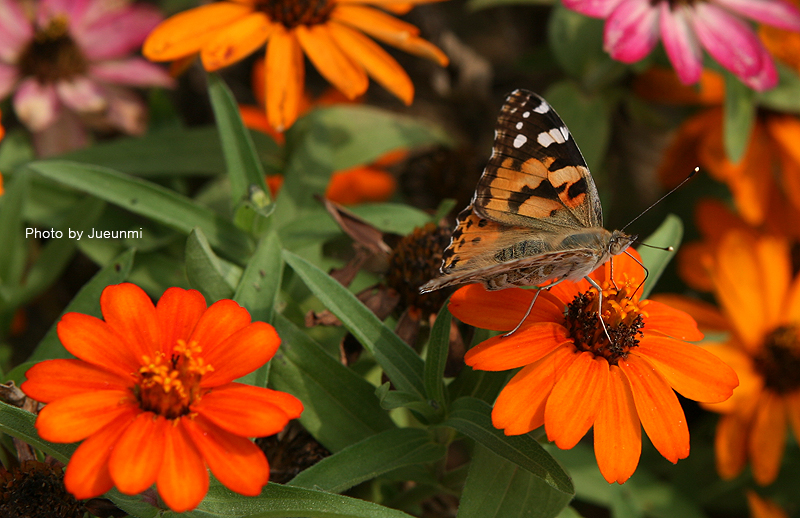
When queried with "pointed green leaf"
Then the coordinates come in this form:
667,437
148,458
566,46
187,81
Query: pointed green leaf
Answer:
403,366
740,115
11,231
668,234
207,273
436,358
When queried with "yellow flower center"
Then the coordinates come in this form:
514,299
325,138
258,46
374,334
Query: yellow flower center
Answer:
169,387
292,13
779,360
621,313
52,55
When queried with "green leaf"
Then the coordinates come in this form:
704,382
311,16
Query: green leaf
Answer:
782,98
391,217
244,167
668,234
498,488
391,399
370,458
260,283
397,359
20,424
15,150
740,115
277,501
588,118
340,406
436,358
207,273
11,230
576,41
172,151
150,200
86,301
472,417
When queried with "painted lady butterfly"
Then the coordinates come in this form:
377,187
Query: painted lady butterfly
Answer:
535,216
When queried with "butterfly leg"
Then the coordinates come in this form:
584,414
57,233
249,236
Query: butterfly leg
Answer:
600,307
530,308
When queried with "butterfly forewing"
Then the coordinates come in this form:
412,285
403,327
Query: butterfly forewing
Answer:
536,171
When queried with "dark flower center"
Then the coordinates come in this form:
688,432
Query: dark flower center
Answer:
622,317
292,13
414,261
36,490
170,387
52,55
779,360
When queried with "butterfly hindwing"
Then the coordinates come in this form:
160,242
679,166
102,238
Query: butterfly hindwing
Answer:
536,176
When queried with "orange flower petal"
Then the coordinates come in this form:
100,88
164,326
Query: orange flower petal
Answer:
520,406
54,379
670,321
524,347
285,73
785,130
682,154
707,316
658,408
333,62
178,313
131,313
136,460
746,395
692,371
730,446
221,320
360,184
185,33
234,460
241,353
389,30
183,478
793,411
236,41
93,341
87,473
763,508
617,430
76,417
255,118
249,411
767,439
567,418
502,310
791,310
662,85
379,65
693,259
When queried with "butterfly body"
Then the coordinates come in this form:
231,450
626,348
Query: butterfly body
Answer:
536,215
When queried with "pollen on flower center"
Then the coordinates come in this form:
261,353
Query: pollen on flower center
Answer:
168,387
622,315
52,54
292,13
779,360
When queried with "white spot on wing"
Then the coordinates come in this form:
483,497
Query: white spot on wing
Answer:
526,114
542,108
519,125
520,140
565,132
554,136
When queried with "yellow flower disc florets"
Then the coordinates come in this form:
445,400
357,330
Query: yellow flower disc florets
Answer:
170,387
622,314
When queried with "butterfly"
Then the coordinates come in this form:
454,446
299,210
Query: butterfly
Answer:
535,217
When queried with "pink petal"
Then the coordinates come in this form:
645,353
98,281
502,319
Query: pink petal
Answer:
126,110
594,8
728,39
117,34
73,10
772,12
36,104
81,94
15,30
631,30
681,44
767,77
65,134
132,72
8,79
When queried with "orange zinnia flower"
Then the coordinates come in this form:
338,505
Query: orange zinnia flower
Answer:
329,32
573,378
153,399
753,284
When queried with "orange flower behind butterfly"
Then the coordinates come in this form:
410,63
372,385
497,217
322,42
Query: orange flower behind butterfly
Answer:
330,32
572,378
153,398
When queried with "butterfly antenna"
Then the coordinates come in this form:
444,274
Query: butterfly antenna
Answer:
696,169
646,271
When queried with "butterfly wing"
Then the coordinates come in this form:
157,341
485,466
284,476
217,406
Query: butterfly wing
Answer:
536,176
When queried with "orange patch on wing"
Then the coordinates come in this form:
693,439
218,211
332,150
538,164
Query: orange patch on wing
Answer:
566,179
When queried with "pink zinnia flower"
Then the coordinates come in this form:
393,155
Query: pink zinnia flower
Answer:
65,61
633,28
